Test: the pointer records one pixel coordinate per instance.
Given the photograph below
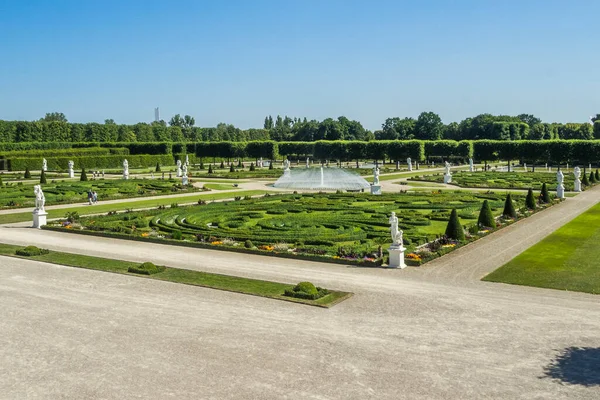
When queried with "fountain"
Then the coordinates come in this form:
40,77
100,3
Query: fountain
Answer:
322,179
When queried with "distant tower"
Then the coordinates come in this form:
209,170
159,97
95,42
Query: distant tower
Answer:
156,115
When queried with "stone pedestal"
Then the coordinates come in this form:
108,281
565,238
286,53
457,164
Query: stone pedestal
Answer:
376,189
560,191
396,257
577,185
39,218
184,180
125,175
71,173
447,178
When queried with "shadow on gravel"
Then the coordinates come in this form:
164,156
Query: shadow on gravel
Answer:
576,366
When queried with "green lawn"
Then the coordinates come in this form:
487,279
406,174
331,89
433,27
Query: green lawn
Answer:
219,186
568,259
273,290
104,208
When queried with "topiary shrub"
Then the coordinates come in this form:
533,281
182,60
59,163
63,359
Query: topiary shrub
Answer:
271,165
248,244
544,195
454,229
509,208
530,200
231,169
252,168
210,170
597,175
486,218
146,268
43,177
157,169
201,165
306,290
27,173
83,177
222,164
585,181
31,251
592,177
176,234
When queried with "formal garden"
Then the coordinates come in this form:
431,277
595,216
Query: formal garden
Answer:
340,227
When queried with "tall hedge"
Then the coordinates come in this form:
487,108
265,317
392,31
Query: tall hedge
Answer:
91,162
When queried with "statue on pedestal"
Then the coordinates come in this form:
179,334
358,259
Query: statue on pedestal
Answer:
286,165
307,162
187,160
376,176
179,168
40,199
44,165
409,163
577,175
125,169
560,188
395,231
471,165
184,179
71,171
447,174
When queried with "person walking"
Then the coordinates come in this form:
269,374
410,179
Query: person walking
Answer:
95,197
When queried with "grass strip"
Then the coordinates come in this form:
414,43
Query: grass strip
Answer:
104,208
567,259
255,287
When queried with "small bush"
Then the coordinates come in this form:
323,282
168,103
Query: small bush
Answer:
231,169
486,218
509,208
157,169
177,235
146,268
248,244
454,229
83,177
530,200
210,170
27,173
592,177
201,165
73,216
222,164
31,251
585,181
252,168
306,290
597,175
544,195
271,165
43,177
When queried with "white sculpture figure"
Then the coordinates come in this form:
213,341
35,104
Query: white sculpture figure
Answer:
44,165
409,163
375,176
125,169
577,174
39,213
525,166
307,162
447,174
259,163
470,165
286,165
179,174
396,250
187,160
184,179
71,171
560,188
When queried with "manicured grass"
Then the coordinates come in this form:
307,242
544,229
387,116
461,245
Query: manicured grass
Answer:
219,186
104,208
568,259
273,290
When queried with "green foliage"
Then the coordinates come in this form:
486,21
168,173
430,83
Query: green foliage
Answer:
201,165
454,229
157,169
530,200
210,170
27,173
176,234
509,208
231,169
306,290
597,176
545,195
72,216
146,268
592,177
248,244
252,167
222,165
585,181
90,162
31,251
486,217
43,177
83,177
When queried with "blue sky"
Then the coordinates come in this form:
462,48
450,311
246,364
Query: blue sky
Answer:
237,61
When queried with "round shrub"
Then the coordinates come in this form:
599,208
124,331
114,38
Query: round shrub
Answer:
307,291
305,287
43,177
31,251
177,235
146,268
248,244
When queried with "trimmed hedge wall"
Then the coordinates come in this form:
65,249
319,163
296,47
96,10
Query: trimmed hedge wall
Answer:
89,162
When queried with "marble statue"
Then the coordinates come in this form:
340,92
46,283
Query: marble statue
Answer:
560,188
44,165
470,165
125,169
447,173
184,175
525,166
40,199
179,174
409,163
395,231
187,160
376,176
71,171
307,162
259,163
286,165
577,175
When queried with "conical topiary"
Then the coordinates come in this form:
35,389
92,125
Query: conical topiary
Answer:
210,170
486,218
83,176
597,176
509,208
592,177
544,194
530,200
201,165
43,177
222,164
27,173
454,229
157,169
252,167
231,169
585,181
271,164
240,165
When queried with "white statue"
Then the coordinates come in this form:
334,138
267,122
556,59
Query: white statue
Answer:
286,165
307,162
375,176
184,179
560,188
447,174
179,174
409,163
560,177
187,160
44,165
40,200
71,171
471,165
395,231
259,163
577,174
447,168
125,169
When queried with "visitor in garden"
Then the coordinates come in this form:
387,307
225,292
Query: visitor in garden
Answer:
90,197
95,197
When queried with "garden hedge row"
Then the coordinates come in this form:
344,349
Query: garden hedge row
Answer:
88,162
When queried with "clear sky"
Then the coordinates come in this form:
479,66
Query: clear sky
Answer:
239,60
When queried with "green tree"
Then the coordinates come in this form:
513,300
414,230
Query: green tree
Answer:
529,119
176,120
509,208
454,229
27,173
396,128
109,121
429,126
83,177
43,177
530,200
545,196
486,218
54,116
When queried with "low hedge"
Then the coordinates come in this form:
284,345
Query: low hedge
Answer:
89,162
306,290
31,251
146,268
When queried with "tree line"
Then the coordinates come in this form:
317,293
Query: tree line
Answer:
427,126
